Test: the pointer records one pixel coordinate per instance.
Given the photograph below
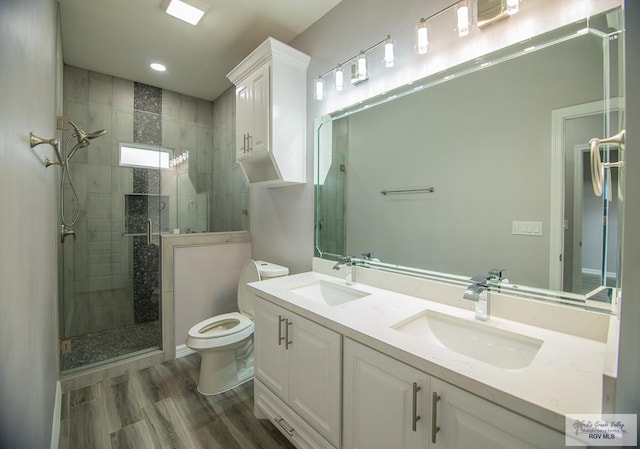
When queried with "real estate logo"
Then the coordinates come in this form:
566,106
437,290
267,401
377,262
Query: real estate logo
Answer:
601,430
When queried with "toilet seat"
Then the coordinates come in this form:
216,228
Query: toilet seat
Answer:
221,330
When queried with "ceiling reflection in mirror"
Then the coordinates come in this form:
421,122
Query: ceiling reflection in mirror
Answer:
486,165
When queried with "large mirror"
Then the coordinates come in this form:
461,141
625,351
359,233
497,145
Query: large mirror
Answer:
486,166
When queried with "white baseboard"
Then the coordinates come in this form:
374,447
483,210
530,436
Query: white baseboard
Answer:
57,414
183,351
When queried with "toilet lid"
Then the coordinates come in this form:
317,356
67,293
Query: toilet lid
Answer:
250,273
220,326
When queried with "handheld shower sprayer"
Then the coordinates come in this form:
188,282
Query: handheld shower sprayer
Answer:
83,139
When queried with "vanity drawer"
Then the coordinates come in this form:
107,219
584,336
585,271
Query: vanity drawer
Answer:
286,420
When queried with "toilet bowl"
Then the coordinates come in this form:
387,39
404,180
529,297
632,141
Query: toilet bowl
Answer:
225,341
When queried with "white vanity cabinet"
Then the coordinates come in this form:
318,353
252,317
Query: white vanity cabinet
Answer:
270,114
385,401
298,373
467,421
390,404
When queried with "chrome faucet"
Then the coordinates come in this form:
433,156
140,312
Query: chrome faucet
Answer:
478,292
348,262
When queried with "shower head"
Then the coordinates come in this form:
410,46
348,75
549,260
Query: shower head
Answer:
83,138
82,135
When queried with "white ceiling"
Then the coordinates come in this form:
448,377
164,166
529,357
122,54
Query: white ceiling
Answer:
121,38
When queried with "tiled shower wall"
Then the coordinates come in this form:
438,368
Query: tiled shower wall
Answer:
98,281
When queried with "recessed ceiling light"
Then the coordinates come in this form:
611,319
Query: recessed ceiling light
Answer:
190,12
158,67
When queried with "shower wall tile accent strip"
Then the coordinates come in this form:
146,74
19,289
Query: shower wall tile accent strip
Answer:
147,129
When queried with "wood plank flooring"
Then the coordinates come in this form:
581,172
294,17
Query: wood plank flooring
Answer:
160,408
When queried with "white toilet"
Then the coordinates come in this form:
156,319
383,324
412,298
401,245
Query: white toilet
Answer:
226,341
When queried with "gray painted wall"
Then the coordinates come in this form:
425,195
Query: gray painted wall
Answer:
28,266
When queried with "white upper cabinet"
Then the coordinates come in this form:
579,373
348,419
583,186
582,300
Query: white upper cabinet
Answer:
271,114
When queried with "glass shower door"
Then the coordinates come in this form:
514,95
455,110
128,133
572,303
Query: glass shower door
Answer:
110,298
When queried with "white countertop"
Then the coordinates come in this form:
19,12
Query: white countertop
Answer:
565,377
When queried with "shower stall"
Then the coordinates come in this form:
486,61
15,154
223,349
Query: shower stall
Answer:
151,173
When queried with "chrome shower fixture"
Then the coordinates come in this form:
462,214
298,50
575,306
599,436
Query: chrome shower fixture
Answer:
35,141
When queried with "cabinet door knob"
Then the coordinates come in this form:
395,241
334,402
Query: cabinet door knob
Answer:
434,416
414,416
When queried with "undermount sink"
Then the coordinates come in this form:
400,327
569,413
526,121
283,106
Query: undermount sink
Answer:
329,293
498,347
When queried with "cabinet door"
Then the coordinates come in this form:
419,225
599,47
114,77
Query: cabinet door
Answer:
314,376
469,422
270,357
379,400
261,110
244,118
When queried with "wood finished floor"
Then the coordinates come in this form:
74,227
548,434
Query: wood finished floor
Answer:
160,408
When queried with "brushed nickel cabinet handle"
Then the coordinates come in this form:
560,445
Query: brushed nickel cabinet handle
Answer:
415,417
280,337
249,142
285,426
287,343
149,232
434,416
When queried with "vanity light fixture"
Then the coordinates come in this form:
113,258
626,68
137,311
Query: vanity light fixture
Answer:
485,13
359,68
190,11
319,89
462,13
362,66
388,52
423,38
339,78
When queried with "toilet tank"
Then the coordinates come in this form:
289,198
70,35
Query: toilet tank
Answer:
265,270
270,270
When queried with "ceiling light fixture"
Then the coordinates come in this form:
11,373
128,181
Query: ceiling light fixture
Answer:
158,67
190,12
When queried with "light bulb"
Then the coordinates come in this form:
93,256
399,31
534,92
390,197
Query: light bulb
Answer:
423,39
362,67
513,7
339,77
463,19
388,52
319,89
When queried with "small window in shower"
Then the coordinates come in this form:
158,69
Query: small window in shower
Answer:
144,156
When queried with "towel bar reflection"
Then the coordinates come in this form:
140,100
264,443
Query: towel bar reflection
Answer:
408,191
